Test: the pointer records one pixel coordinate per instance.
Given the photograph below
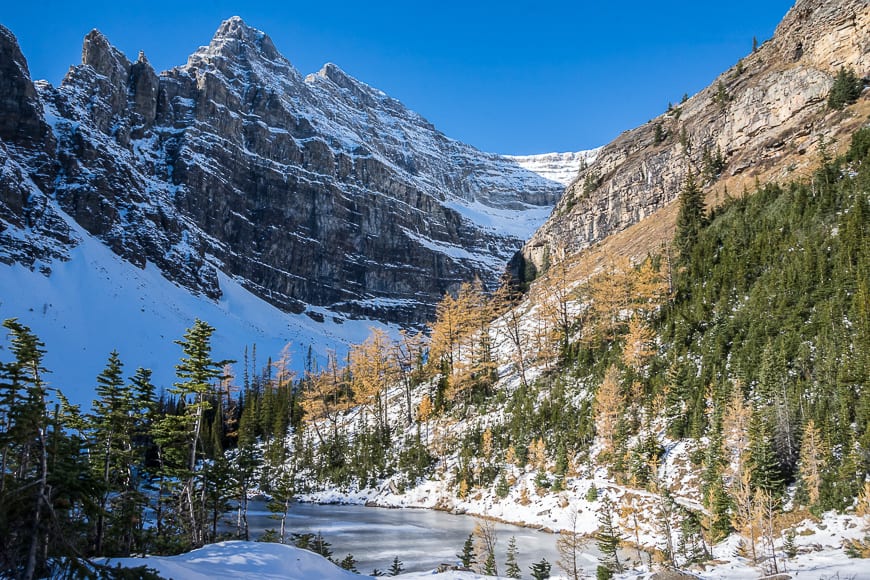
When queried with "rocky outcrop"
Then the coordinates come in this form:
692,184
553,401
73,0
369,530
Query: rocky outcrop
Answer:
315,190
766,114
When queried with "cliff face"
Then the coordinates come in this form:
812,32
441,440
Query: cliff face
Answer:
762,118
308,190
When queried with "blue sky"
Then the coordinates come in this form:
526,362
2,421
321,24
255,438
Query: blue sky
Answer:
510,77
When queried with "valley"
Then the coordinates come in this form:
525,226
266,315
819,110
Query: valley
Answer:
241,304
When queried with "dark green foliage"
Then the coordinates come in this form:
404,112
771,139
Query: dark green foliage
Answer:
603,573
396,567
788,545
607,536
712,163
349,564
466,557
659,134
591,182
690,218
541,570
846,90
722,98
512,567
773,294
502,489
313,543
592,494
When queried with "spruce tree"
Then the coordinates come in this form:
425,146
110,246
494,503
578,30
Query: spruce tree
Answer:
512,567
607,536
846,89
690,218
540,570
349,564
112,453
396,567
181,435
466,557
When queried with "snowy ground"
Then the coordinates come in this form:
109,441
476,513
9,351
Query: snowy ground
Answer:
236,560
97,302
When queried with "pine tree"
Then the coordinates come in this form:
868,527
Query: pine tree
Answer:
467,557
607,537
181,436
396,567
690,218
26,449
762,461
846,89
349,564
512,567
541,570
112,427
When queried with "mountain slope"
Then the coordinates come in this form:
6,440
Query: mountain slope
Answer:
309,191
766,117
561,167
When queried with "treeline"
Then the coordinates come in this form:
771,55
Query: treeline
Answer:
139,472
749,338
754,347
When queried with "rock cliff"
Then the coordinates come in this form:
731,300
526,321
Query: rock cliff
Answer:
316,190
762,118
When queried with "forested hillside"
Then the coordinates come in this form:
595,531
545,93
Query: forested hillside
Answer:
737,358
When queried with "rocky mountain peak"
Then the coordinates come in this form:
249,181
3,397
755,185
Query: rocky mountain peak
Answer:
20,112
104,58
234,38
326,194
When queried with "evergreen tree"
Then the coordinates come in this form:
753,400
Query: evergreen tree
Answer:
512,567
846,89
541,570
396,567
181,436
112,429
690,218
607,536
349,564
466,557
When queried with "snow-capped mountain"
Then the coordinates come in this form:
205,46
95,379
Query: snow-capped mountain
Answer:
560,167
315,191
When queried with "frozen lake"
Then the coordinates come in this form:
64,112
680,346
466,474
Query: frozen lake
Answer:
422,539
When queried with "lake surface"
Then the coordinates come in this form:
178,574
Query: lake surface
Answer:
422,539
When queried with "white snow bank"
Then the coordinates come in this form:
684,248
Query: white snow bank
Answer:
236,560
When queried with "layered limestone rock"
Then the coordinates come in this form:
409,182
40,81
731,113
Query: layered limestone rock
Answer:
315,190
767,112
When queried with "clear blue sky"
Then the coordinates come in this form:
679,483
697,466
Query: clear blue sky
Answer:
510,77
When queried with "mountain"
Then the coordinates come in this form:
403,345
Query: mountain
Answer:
309,192
762,119
561,167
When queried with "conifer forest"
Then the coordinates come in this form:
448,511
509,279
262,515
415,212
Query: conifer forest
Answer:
746,340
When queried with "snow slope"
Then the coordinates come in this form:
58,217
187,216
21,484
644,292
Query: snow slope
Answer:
559,167
234,560
97,301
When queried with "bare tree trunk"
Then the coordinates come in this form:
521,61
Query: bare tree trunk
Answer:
30,568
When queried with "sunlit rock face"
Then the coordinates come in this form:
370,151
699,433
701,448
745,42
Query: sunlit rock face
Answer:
316,190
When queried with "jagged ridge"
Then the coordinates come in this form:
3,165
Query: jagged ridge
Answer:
317,190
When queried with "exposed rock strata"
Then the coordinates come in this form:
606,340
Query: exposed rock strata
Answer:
309,190
766,112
